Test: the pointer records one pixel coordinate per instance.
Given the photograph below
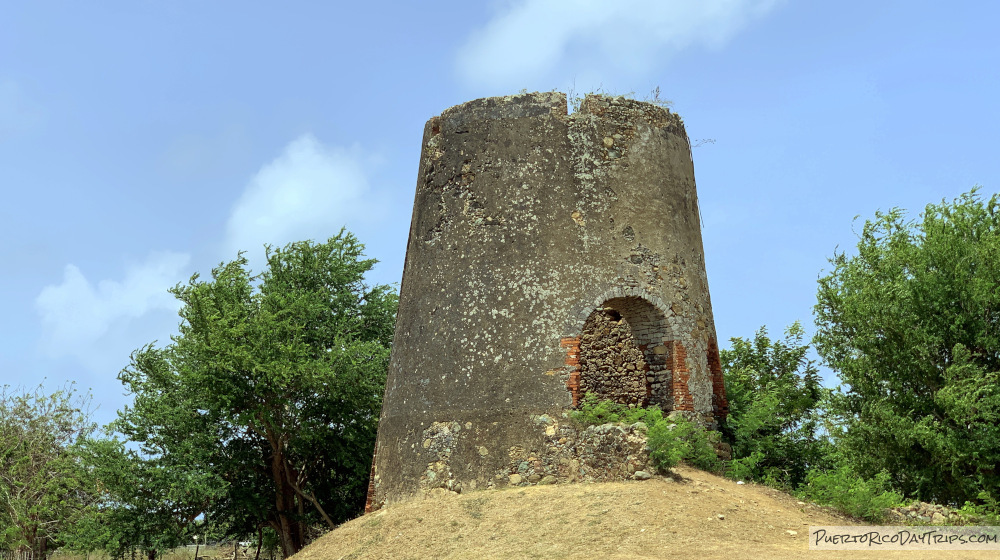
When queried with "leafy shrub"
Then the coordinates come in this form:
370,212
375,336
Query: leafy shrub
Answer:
700,452
850,493
670,440
775,408
666,448
594,412
744,468
909,322
985,513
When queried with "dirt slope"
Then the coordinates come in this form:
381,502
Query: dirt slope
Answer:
657,518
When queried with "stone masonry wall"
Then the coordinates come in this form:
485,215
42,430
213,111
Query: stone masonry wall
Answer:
527,219
611,364
567,453
563,452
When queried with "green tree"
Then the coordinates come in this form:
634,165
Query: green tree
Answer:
43,487
262,411
775,396
911,323
151,493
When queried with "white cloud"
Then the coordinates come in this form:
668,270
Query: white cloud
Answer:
17,113
308,192
533,37
79,317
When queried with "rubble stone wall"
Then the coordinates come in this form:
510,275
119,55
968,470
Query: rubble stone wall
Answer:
612,365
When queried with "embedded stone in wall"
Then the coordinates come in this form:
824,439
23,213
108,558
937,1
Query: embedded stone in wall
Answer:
605,453
439,440
612,366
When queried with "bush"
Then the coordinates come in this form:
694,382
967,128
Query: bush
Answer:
909,322
701,448
666,448
775,407
744,468
850,493
985,513
594,412
670,440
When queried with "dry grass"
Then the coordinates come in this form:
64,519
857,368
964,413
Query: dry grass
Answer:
658,518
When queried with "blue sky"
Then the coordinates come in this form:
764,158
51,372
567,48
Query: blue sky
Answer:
141,142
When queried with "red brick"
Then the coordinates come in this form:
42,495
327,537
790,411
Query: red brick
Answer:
370,501
719,402
682,392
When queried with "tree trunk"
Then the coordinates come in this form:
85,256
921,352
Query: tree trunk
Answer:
260,542
301,519
284,502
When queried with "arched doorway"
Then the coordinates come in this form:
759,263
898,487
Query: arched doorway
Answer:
623,354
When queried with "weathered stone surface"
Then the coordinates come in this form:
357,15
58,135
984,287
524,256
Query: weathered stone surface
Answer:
526,221
566,453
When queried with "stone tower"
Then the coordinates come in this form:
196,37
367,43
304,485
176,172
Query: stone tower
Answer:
549,255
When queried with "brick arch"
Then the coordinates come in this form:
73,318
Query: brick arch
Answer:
653,378
586,307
